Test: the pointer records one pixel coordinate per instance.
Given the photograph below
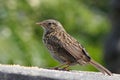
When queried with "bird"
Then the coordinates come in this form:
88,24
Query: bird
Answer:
64,48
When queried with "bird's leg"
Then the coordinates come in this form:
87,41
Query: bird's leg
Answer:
64,66
58,67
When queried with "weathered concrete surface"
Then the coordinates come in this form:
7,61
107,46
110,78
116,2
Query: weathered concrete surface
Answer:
16,72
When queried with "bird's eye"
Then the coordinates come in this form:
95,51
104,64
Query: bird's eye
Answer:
49,24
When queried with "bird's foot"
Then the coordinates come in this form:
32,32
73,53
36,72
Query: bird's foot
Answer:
57,68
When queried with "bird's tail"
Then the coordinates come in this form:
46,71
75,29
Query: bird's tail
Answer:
100,67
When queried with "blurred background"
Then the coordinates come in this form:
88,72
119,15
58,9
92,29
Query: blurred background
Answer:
21,39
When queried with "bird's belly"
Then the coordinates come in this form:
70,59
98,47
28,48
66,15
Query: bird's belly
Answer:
61,54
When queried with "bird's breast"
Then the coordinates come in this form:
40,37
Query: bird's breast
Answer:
57,51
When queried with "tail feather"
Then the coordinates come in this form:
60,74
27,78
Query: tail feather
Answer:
100,67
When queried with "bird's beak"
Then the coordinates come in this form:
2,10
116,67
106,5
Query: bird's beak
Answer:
39,23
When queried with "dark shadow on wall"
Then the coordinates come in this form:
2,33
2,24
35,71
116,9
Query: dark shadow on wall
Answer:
112,44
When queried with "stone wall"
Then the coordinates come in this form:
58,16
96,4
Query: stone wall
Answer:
16,72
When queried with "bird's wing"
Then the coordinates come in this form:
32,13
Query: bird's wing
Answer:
74,48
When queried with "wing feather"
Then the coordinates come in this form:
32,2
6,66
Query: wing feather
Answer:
73,47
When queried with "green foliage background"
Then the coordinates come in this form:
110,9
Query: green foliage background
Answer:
21,39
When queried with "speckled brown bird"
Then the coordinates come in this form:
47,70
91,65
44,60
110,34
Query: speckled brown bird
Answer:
64,48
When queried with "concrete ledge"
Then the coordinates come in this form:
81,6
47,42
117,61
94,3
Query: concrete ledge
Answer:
16,72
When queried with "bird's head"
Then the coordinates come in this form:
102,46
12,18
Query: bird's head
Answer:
51,25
